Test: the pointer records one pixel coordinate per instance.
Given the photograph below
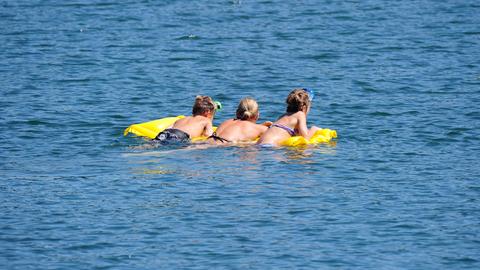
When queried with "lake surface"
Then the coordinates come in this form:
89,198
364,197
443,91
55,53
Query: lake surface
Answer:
399,188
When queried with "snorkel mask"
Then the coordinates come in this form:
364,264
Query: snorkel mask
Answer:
218,105
310,93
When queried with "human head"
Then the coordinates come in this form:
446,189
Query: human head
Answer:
298,100
247,109
203,105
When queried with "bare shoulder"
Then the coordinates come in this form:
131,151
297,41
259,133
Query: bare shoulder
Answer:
202,119
255,126
300,114
182,120
228,122
262,127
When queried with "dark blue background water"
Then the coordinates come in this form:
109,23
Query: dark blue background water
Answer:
398,80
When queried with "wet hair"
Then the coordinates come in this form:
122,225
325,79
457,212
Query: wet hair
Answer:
203,105
247,108
297,100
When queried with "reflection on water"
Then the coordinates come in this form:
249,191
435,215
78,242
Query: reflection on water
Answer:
152,171
205,157
204,161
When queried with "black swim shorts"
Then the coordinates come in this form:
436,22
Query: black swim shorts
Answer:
172,135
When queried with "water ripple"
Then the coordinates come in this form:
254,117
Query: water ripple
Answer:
398,81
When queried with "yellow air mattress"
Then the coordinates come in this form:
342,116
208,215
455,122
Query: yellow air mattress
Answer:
324,135
152,128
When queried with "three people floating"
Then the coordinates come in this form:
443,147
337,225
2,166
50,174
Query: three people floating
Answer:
290,129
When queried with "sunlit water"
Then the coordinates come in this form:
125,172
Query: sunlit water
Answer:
399,81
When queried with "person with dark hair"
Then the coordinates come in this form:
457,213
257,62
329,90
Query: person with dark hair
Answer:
199,124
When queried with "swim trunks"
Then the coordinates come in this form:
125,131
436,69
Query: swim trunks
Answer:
172,135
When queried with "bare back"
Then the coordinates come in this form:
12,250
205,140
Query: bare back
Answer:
296,121
235,130
195,126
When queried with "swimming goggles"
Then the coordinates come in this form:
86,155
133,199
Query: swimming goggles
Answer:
310,93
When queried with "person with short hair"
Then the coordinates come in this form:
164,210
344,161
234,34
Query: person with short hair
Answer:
199,124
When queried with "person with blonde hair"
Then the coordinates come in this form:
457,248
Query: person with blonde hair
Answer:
243,128
199,124
293,122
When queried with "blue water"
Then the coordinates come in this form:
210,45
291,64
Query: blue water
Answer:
398,80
